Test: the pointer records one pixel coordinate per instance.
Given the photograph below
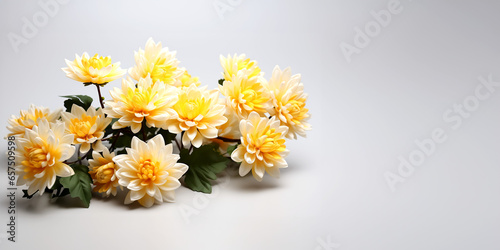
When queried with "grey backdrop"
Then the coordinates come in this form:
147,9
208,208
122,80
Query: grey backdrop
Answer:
383,77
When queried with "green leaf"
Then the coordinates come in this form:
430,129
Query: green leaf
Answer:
57,189
204,165
221,81
79,184
62,193
230,149
123,141
83,101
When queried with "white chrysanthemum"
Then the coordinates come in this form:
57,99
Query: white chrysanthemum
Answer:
87,127
245,95
150,171
157,62
28,119
289,101
198,114
232,65
147,101
96,69
103,172
40,156
262,147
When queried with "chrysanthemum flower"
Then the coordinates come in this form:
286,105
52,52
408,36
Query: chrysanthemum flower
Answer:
103,172
289,102
186,80
40,156
28,119
262,147
198,114
229,130
157,62
244,94
93,70
232,65
150,171
86,126
147,101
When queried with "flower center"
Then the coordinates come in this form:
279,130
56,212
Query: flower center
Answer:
189,109
191,106
297,110
147,172
249,95
249,65
187,80
272,142
81,127
162,73
139,102
36,157
252,97
192,110
27,116
105,172
96,62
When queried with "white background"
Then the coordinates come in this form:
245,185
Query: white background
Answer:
365,114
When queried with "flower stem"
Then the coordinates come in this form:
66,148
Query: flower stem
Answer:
78,155
115,139
100,96
144,134
228,139
178,145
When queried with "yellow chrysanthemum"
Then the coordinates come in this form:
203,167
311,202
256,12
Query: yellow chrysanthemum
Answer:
150,171
157,62
103,172
86,126
97,69
186,80
40,156
232,65
262,147
147,101
28,119
289,102
245,95
198,114
228,130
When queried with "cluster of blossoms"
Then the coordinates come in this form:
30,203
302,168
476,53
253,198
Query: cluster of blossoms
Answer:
159,126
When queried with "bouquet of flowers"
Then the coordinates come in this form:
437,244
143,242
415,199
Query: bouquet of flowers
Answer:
158,130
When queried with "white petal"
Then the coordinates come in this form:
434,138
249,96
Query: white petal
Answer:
244,168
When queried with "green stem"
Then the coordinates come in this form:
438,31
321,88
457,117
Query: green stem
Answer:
100,96
228,139
79,160
78,155
115,139
178,145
